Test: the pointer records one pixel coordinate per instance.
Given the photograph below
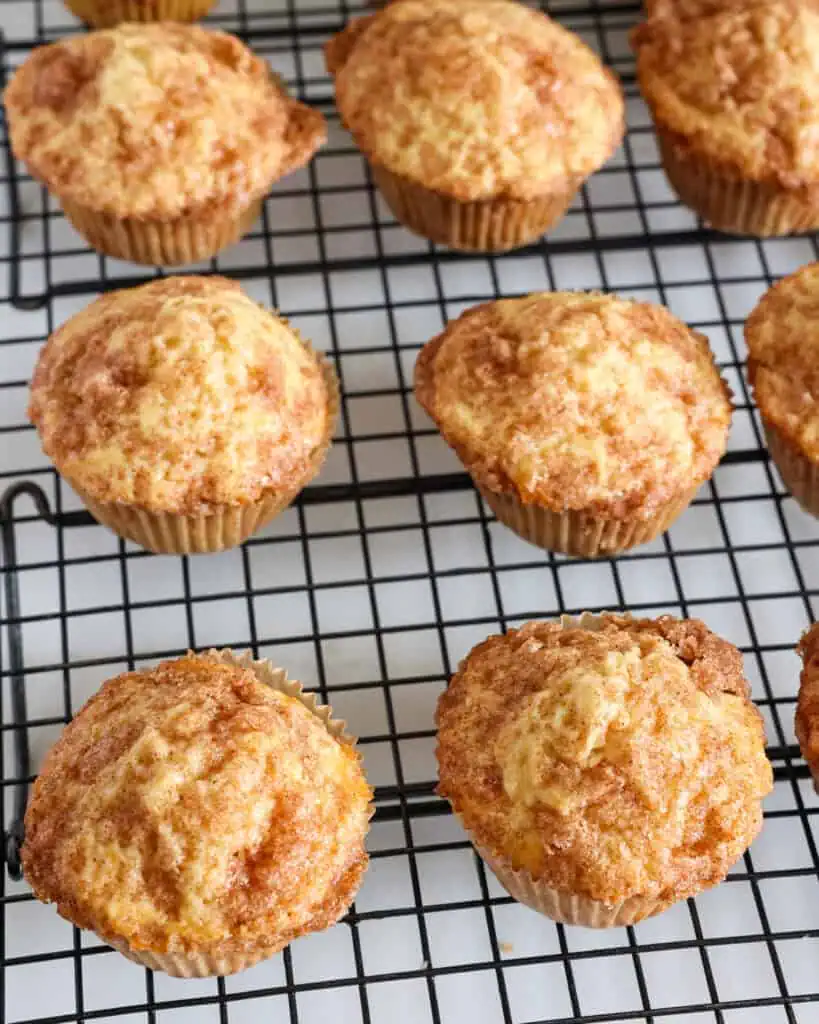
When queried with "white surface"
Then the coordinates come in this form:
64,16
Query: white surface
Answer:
370,628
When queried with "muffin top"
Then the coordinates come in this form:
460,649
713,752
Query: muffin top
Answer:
476,99
739,88
611,763
691,8
807,706
577,400
192,807
181,395
782,335
156,121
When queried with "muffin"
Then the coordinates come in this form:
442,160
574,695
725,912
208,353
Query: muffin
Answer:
691,8
587,422
782,335
735,101
104,13
199,816
480,118
160,141
182,413
807,706
604,768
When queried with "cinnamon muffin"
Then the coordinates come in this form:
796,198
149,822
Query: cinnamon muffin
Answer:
184,415
104,13
199,816
587,422
735,101
160,141
807,706
480,118
782,335
605,768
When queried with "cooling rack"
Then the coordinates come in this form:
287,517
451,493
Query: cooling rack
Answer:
384,573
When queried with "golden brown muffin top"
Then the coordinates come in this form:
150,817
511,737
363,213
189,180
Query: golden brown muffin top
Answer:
181,395
156,121
191,807
782,335
476,99
622,762
692,8
576,400
740,88
807,705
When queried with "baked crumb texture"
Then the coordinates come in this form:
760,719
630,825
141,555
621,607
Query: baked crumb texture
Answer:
160,140
807,706
782,335
476,101
105,13
691,8
181,396
735,99
156,121
620,763
577,401
192,809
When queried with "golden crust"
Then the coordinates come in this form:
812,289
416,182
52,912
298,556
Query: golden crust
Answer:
691,8
475,99
193,808
579,401
182,395
612,764
738,90
156,121
782,336
807,705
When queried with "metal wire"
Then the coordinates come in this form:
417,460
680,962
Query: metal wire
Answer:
427,568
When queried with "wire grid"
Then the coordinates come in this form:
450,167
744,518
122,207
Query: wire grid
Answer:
385,573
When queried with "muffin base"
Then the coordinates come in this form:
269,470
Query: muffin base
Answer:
733,205
579,533
206,965
493,225
104,13
799,474
160,243
565,907
169,533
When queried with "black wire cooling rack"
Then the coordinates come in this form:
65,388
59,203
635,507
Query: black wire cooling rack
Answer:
381,577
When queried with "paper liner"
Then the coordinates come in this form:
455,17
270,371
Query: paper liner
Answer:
161,243
733,205
169,533
494,225
204,965
566,907
104,13
579,533
799,474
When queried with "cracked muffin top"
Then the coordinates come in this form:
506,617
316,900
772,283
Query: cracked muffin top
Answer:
782,335
576,400
156,121
192,807
476,99
739,88
623,759
181,396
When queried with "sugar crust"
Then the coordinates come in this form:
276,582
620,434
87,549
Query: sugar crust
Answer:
192,808
475,99
575,400
612,764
